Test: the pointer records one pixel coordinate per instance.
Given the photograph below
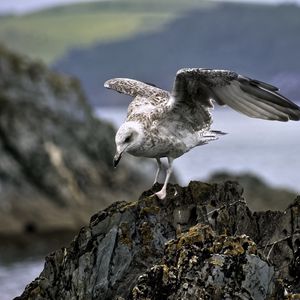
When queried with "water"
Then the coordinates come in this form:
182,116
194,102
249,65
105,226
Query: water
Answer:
14,277
268,149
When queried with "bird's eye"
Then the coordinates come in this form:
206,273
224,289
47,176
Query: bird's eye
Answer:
127,139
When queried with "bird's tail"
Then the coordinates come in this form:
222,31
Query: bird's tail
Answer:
218,132
209,136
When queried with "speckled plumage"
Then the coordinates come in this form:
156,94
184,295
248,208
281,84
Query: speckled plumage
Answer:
169,124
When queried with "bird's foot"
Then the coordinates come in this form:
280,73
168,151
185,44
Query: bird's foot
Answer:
161,194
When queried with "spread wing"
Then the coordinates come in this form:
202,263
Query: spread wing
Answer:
196,88
132,87
148,99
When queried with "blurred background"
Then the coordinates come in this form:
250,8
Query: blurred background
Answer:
57,122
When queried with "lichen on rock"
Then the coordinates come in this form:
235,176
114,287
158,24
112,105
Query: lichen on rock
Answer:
217,249
200,264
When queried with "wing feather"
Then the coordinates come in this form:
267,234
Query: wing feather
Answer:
254,98
257,109
240,104
132,87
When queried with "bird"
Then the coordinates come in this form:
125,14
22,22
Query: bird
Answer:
167,124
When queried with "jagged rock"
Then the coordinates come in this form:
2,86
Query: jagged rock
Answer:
203,265
55,157
202,240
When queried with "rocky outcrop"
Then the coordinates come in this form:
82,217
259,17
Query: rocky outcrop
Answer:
55,157
260,195
202,265
202,242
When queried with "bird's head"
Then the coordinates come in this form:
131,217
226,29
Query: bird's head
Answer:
129,137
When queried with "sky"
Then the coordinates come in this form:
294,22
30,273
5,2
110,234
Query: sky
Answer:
23,6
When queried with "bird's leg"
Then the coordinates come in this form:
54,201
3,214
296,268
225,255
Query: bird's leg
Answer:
163,192
158,170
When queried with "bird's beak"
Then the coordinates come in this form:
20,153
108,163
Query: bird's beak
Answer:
117,158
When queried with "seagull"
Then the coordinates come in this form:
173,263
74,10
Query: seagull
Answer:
168,124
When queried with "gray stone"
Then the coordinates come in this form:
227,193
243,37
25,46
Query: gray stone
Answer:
148,249
55,156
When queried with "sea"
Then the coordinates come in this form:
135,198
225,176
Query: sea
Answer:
268,149
15,276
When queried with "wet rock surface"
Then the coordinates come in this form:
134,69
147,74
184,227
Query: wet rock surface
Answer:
202,242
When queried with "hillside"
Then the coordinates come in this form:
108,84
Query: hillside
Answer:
48,34
258,41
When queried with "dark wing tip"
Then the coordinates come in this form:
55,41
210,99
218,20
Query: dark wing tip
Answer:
264,85
295,115
258,83
282,108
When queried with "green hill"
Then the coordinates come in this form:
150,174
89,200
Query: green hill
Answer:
151,39
259,41
48,34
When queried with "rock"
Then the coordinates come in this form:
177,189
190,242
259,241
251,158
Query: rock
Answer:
202,265
202,242
259,194
55,157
